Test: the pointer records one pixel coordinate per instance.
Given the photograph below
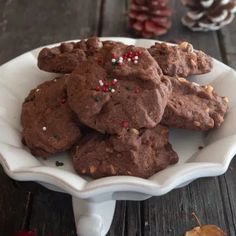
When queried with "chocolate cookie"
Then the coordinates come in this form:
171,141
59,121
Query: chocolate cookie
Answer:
135,153
66,57
48,123
181,60
195,107
109,93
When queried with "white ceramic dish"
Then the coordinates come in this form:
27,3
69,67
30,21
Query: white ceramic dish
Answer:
94,200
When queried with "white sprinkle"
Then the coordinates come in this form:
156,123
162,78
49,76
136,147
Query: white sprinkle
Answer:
55,80
115,80
113,90
121,58
37,90
136,57
44,128
135,62
113,60
129,59
101,82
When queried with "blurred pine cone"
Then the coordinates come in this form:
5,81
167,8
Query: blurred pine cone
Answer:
207,15
149,18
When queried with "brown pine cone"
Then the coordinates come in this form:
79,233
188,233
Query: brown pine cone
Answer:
149,18
207,15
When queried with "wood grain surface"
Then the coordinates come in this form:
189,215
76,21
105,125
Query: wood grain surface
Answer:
27,24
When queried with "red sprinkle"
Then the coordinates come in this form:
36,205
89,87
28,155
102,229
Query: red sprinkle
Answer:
98,88
125,124
105,89
137,90
113,82
114,55
120,63
63,100
106,84
99,61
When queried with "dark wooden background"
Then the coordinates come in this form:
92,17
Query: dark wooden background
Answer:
26,24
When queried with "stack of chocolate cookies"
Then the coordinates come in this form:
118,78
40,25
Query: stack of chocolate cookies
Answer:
114,103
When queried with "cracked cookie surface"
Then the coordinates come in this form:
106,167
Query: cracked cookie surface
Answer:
135,153
195,107
181,60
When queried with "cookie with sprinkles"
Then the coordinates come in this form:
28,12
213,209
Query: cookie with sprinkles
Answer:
135,153
112,100
66,57
49,125
122,60
195,107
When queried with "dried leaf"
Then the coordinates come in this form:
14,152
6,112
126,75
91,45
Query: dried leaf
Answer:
206,230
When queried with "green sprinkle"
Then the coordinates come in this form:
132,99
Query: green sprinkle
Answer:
109,89
97,99
56,136
58,163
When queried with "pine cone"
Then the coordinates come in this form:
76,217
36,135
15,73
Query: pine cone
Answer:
149,18
207,15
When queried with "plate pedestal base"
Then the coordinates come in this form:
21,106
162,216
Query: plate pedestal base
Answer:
93,218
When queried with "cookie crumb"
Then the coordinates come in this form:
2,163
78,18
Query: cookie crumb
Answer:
226,99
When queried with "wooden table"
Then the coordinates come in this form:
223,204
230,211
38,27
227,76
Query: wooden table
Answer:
27,24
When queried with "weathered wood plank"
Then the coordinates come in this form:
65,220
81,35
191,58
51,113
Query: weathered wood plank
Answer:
227,185
171,214
119,220
52,214
25,25
114,20
134,219
227,40
13,205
